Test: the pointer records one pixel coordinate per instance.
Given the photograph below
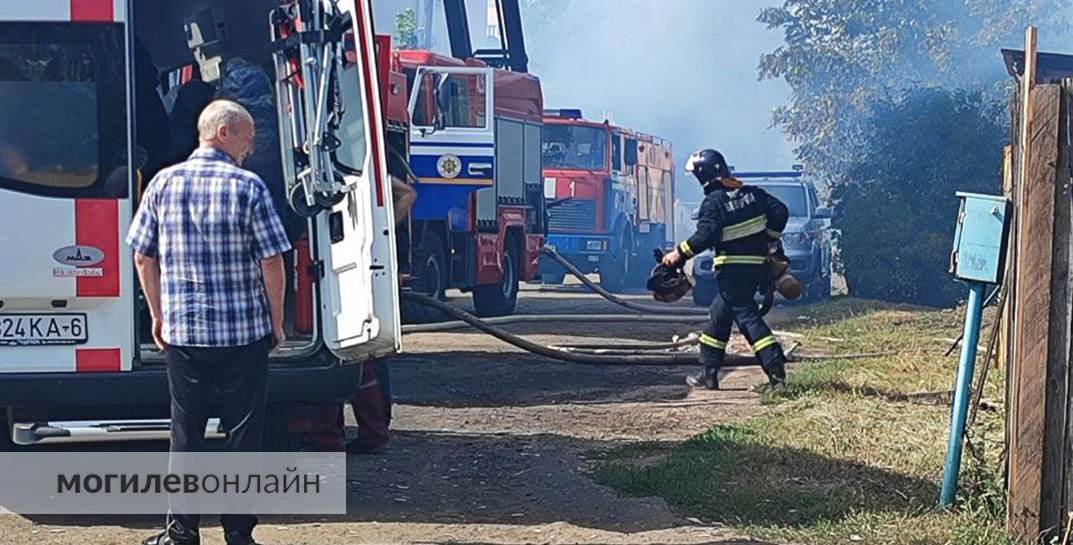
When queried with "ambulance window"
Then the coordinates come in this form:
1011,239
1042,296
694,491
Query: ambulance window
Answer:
351,153
63,106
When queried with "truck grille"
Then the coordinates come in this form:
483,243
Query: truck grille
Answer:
573,216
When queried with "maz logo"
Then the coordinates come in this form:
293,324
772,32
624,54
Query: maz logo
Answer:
78,256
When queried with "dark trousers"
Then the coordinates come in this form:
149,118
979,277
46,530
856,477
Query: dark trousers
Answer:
372,404
235,378
736,303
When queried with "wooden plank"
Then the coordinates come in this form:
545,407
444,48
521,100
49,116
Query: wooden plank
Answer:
1031,331
1022,498
1052,494
1065,184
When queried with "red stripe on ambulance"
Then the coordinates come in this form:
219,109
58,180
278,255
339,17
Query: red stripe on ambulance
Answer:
92,11
97,360
97,225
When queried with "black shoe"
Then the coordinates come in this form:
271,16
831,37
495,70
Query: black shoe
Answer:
164,539
707,379
239,538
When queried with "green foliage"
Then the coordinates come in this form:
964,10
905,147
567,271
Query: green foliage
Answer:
841,57
867,115
406,29
897,218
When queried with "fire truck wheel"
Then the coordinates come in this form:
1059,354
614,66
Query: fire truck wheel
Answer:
615,268
430,270
499,299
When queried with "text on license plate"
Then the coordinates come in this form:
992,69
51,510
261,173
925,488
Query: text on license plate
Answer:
42,329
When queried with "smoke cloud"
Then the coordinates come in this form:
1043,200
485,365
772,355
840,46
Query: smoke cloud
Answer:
685,70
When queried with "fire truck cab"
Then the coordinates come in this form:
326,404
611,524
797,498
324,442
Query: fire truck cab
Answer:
478,221
610,193
95,96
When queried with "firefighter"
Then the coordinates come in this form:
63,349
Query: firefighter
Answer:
743,225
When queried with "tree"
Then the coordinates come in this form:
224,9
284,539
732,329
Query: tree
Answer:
406,29
897,219
840,57
897,104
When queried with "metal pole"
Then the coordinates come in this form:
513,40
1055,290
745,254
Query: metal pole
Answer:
960,409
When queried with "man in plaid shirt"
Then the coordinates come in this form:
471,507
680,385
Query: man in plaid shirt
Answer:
208,247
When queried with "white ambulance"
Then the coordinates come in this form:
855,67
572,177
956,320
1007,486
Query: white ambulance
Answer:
95,95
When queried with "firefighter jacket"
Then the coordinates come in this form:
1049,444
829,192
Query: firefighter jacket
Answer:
739,224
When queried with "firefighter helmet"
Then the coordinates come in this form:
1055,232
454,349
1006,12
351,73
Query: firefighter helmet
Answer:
668,284
707,165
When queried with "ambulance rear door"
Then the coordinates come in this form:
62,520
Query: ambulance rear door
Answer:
66,279
356,238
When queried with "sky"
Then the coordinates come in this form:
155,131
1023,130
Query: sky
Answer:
685,70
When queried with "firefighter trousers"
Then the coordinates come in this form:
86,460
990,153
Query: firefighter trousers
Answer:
736,303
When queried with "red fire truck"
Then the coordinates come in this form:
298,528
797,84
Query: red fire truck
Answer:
610,198
474,153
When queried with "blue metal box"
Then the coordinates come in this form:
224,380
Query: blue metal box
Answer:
980,241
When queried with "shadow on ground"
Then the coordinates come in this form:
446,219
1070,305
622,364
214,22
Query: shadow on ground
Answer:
481,379
473,478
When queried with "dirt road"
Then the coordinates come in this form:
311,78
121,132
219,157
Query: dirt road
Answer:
492,445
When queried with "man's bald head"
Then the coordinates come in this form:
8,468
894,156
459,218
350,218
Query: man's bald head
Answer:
227,126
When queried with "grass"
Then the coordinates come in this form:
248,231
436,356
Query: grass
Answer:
852,451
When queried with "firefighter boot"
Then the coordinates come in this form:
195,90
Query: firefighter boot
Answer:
773,361
707,378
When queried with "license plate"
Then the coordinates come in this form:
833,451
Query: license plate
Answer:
42,329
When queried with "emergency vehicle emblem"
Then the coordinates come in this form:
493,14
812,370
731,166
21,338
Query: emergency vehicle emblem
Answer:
78,256
449,166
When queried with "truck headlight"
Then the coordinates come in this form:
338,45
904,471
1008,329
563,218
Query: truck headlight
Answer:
594,245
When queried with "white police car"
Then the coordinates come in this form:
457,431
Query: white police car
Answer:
805,239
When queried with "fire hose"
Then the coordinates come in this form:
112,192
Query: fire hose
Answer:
629,354
639,357
650,309
677,352
648,313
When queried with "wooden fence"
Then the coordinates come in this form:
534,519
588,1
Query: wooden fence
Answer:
1036,340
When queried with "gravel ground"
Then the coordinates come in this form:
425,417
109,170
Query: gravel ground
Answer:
492,445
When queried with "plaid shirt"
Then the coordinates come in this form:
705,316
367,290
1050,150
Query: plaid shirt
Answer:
209,223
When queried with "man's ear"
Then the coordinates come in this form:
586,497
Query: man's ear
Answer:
223,131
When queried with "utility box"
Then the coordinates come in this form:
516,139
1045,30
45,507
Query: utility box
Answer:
980,241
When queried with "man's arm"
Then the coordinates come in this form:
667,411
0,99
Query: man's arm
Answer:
404,197
269,243
149,274
275,287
